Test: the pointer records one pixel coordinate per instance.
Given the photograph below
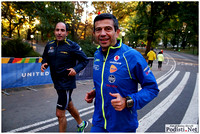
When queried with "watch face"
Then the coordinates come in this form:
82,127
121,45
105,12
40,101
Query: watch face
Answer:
130,103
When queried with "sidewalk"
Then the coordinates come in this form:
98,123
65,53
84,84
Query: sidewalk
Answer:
38,47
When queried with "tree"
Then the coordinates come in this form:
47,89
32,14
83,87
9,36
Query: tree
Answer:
122,10
51,13
9,15
189,15
29,17
153,16
78,28
30,13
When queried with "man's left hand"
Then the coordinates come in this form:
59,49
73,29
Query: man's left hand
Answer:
119,103
72,72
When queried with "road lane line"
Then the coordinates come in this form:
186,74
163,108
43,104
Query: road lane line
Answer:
45,121
163,77
166,57
168,81
56,123
191,115
155,113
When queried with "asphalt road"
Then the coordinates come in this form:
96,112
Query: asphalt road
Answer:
27,110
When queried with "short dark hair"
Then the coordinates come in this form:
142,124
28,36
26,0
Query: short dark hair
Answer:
107,16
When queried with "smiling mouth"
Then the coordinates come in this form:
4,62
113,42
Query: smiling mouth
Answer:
104,40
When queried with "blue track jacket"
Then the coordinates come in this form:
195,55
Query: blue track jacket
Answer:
61,56
120,72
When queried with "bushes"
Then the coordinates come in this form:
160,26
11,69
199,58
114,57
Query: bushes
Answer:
18,49
88,47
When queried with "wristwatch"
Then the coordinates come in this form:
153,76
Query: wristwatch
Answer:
129,102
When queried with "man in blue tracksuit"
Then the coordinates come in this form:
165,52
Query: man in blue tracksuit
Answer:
117,70
61,55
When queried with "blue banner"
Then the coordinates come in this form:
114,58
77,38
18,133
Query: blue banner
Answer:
24,74
18,72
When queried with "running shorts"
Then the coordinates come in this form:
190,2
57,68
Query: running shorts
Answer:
64,97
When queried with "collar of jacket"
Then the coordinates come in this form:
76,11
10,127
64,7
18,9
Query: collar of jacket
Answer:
117,45
64,41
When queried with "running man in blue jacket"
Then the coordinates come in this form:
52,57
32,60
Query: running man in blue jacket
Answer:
117,70
61,55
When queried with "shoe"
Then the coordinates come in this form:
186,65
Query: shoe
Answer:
81,129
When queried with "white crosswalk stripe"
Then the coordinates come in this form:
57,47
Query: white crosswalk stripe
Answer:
155,113
192,112
168,81
47,121
56,123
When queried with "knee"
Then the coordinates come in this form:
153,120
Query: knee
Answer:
60,113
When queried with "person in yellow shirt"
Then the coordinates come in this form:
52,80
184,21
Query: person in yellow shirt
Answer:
151,57
160,57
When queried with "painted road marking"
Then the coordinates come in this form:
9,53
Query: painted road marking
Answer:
45,121
155,113
191,115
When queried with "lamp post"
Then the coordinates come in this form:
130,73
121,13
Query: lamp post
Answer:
187,38
134,44
32,36
37,36
123,34
189,42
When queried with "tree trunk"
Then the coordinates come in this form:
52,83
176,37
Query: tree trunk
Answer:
42,36
29,34
18,33
152,24
150,39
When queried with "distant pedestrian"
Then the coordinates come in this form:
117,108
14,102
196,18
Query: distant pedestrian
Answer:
160,58
61,55
151,57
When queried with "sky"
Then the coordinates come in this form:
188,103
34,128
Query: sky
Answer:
89,9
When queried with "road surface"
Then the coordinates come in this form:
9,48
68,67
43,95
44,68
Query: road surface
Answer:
177,103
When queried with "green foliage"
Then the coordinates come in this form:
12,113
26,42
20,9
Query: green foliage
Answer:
18,49
23,15
88,47
52,13
156,21
143,21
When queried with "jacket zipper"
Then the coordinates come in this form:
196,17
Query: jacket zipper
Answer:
102,81
56,53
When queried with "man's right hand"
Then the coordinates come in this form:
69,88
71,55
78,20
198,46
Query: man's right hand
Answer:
90,96
43,67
